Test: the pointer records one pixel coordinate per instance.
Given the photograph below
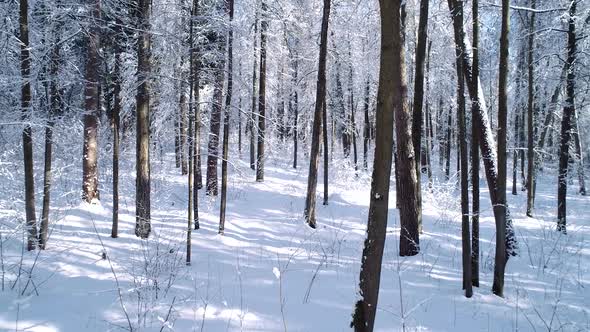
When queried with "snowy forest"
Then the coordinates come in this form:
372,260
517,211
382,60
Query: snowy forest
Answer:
294,165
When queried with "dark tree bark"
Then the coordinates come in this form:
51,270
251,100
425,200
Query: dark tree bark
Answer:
530,201
312,179
500,206
352,119
448,144
214,131
475,151
142,185
366,126
389,92
54,105
566,120
25,68
228,98
295,114
465,232
195,83
116,123
486,140
192,193
183,122
262,96
91,111
325,142
579,153
417,117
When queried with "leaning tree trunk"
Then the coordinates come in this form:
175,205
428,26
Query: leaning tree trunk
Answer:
228,97
566,121
485,136
142,184
320,97
91,109
390,74
262,96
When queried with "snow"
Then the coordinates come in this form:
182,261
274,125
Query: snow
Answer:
270,264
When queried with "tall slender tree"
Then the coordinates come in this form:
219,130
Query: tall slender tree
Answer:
500,206
530,201
142,99
262,95
25,70
320,96
566,119
228,100
418,102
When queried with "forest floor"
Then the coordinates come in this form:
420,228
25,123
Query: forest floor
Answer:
270,271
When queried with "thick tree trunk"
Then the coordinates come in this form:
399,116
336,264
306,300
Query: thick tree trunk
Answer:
142,185
389,92
566,121
214,131
312,179
228,99
91,110
262,96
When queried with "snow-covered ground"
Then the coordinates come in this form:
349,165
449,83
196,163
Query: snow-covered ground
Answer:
271,272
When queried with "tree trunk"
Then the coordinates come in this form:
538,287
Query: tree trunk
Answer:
448,144
142,186
183,124
486,140
214,131
228,98
116,123
417,117
312,179
262,96
462,137
252,118
500,206
390,85
566,121
366,127
91,109
53,110
475,151
579,153
530,201
295,115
